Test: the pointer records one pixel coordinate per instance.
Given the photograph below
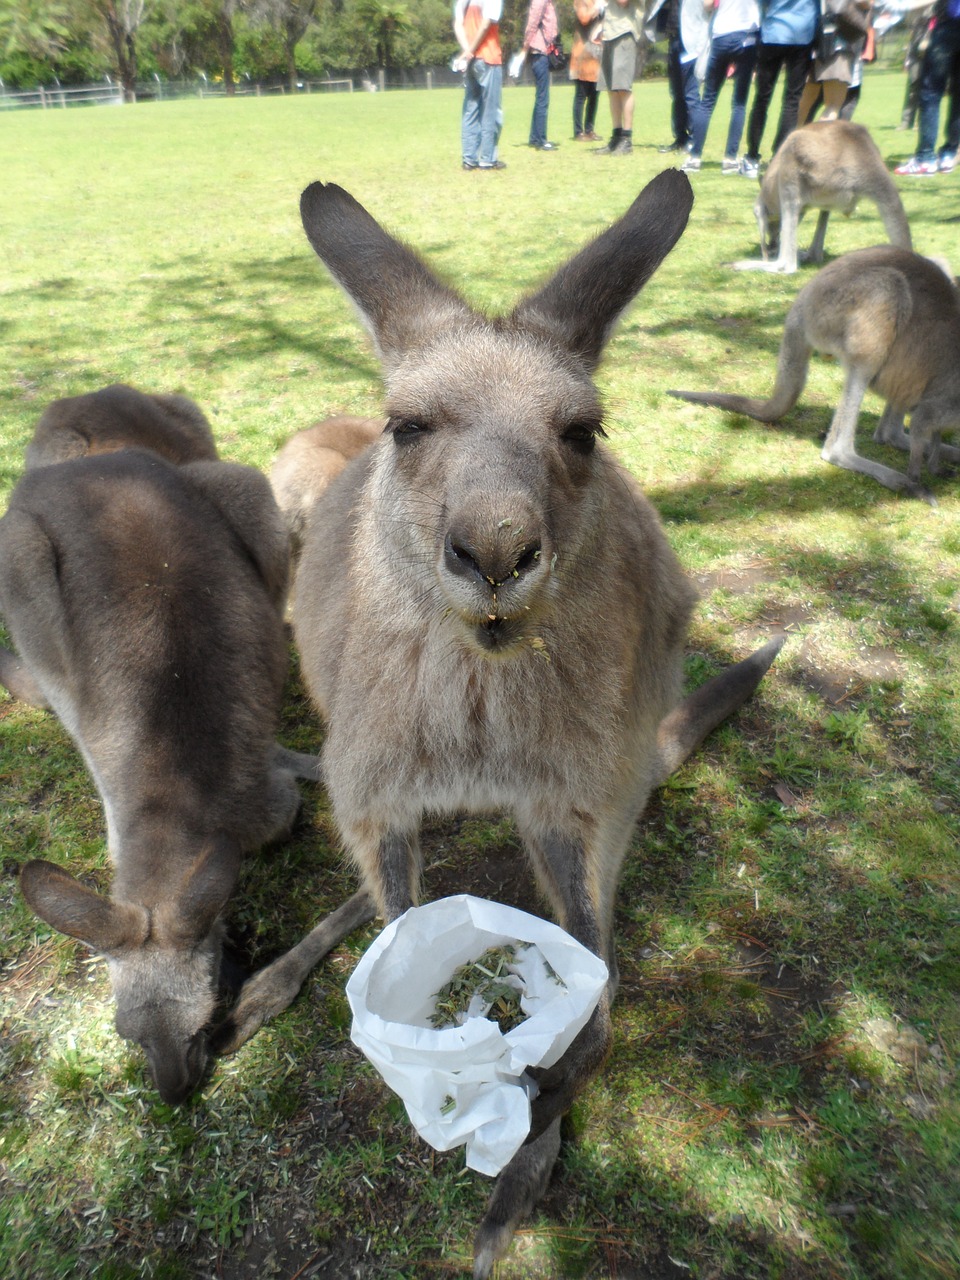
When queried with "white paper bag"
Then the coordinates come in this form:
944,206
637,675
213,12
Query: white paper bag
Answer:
468,1084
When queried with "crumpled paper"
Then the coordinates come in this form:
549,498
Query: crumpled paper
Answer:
468,1084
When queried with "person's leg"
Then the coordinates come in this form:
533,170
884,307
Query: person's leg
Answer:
579,99
951,140
541,79
470,118
590,115
769,57
850,100
678,106
691,98
491,116
834,96
934,75
808,102
796,63
744,61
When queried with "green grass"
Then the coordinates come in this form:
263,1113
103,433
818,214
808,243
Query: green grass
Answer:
791,901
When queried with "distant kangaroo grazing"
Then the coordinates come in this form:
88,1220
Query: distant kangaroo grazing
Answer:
488,612
831,164
309,460
121,417
892,319
143,599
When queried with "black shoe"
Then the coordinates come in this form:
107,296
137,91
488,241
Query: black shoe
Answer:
497,164
622,147
606,150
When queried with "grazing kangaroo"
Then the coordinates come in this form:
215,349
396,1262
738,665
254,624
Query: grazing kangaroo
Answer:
309,461
144,601
831,164
524,610
892,319
120,417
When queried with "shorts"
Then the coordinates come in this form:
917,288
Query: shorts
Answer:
618,64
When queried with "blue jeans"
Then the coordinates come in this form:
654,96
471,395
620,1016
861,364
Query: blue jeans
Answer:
684,92
541,78
724,50
935,75
482,117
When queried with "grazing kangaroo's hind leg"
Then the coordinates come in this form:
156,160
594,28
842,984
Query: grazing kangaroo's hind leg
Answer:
840,447
815,252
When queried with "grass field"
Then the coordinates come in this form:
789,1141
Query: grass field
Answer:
782,1101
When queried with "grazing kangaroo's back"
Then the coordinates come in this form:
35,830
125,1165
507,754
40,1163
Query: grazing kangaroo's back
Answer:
828,165
488,612
144,601
120,417
892,319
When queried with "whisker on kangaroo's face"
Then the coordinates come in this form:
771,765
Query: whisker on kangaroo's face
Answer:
489,430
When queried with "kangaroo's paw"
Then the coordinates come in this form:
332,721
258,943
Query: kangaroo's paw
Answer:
516,1194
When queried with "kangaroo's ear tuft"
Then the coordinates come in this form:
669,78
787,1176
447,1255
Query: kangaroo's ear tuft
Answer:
584,300
399,299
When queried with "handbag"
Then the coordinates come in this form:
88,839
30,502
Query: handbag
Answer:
556,58
853,22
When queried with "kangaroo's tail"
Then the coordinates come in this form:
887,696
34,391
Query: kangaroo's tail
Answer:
791,375
682,731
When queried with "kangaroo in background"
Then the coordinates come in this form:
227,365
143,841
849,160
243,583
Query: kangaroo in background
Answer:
892,319
120,417
488,612
144,601
831,164
308,461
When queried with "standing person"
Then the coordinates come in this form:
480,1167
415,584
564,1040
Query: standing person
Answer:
835,65
787,31
622,23
540,32
940,66
736,30
688,32
585,67
476,26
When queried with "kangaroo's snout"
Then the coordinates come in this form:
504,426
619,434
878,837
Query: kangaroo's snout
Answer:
492,561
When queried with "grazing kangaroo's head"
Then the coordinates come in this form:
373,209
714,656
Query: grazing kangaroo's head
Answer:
164,958
490,474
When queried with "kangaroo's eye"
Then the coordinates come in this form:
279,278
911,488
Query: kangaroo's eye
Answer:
404,430
581,436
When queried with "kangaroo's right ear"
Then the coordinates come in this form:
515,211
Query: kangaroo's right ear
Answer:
584,300
400,300
65,904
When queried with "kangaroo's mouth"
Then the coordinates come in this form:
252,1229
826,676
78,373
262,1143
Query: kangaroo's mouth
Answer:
498,635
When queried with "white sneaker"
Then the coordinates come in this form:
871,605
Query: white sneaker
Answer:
749,168
691,165
730,165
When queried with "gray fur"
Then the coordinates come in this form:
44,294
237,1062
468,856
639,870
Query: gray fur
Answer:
488,612
831,164
892,320
144,600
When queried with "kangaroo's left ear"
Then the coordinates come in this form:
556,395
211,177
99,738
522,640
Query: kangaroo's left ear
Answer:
584,300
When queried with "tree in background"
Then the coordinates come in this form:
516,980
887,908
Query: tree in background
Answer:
385,19
123,19
291,18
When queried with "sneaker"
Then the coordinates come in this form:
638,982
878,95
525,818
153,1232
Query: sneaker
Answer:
497,164
948,161
730,165
544,146
914,168
691,165
470,164
749,168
